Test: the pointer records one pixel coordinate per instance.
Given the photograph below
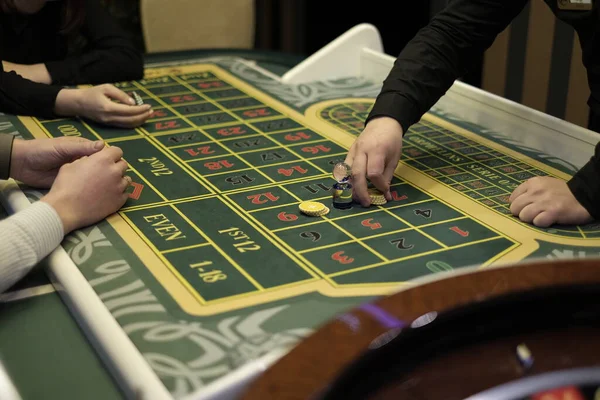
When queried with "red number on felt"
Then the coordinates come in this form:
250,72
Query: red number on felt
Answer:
316,149
342,259
368,224
215,165
261,112
181,99
202,150
396,197
293,137
166,125
234,130
158,114
283,216
459,231
290,171
257,198
137,190
207,85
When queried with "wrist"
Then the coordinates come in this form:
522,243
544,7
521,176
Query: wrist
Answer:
68,102
383,121
60,205
7,66
40,74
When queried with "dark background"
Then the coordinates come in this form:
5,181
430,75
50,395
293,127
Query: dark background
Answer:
301,27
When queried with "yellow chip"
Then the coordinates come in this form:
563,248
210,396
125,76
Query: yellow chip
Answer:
374,192
318,213
312,207
377,198
324,212
378,201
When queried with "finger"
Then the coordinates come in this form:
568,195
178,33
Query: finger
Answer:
78,160
544,219
529,212
123,110
71,150
122,166
125,183
520,203
112,153
115,93
350,155
127,107
521,189
129,121
375,168
359,180
388,175
71,139
124,198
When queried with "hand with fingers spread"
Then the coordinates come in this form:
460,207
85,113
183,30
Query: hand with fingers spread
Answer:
89,189
36,162
544,201
375,155
96,103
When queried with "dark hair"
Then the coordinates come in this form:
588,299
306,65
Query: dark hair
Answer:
73,13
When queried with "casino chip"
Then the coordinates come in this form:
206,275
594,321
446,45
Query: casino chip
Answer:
137,98
377,198
313,208
524,356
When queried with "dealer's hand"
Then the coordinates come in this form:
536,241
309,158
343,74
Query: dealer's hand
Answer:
375,155
544,201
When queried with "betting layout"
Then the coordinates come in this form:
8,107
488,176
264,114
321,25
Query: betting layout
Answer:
468,166
220,170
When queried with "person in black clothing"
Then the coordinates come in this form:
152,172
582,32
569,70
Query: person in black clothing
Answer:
47,46
442,52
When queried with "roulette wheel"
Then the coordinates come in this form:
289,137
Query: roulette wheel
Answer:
525,331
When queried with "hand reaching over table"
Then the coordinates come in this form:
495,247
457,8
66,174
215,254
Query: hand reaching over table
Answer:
375,155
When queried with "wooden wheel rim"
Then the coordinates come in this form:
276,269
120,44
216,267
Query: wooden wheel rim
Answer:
304,371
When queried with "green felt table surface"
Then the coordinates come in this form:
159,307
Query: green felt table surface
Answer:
44,350
210,264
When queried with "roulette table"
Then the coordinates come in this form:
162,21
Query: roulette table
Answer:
210,274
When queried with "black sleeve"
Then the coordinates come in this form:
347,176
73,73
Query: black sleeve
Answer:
585,185
6,144
111,57
439,54
21,96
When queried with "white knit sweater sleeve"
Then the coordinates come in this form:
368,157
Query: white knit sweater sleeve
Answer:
25,239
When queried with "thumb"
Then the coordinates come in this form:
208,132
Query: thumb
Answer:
72,150
117,94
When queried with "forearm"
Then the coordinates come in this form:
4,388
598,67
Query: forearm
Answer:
68,103
25,239
35,72
585,185
439,54
21,96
